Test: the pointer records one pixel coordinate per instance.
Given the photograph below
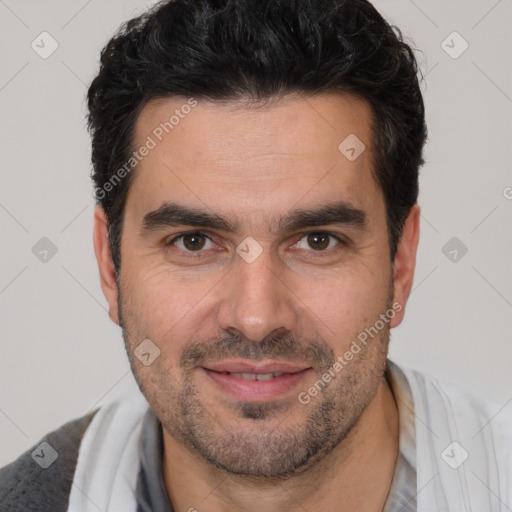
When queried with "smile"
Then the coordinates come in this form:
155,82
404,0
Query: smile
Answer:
247,382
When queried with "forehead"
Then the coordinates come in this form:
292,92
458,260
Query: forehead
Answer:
247,160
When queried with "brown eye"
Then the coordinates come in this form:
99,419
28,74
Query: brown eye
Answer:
318,241
192,242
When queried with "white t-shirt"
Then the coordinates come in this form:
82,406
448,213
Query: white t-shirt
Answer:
455,452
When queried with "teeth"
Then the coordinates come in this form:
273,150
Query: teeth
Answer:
256,376
265,376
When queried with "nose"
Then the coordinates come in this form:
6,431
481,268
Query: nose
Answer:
255,299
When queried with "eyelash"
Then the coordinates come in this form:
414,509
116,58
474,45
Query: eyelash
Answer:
196,254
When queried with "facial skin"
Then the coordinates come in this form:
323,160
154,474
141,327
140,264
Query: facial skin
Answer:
294,304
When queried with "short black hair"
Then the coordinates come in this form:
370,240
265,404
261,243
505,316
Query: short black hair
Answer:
258,50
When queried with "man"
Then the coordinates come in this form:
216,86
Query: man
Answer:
256,176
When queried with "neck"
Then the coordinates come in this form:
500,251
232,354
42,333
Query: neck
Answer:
356,475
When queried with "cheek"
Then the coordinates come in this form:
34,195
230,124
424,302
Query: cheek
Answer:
342,308
166,310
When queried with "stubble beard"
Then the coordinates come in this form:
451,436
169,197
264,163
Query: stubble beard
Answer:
262,443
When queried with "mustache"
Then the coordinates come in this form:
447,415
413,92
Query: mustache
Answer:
282,346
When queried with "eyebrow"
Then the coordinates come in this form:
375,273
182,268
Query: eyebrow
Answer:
172,214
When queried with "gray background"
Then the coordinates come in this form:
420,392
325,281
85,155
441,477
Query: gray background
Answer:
60,353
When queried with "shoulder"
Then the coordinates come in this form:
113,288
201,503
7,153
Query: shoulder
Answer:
40,479
463,445
466,405
446,412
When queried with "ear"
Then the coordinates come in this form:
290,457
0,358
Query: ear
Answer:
405,263
105,263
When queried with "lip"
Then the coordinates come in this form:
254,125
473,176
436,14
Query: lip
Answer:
234,366
255,390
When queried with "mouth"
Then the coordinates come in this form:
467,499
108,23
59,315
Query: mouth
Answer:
254,376
256,382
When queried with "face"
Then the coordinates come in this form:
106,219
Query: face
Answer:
254,253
